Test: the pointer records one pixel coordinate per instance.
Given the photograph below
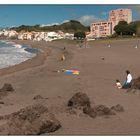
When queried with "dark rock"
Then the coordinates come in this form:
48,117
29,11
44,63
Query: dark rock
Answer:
37,97
3,94
118,108
5,90
103,110
32,120
135,84
79,100
102,58
71,111
6,87
89,111
1,102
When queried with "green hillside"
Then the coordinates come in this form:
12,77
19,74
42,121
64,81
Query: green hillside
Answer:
71,26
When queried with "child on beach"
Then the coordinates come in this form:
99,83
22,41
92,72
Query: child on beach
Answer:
118,84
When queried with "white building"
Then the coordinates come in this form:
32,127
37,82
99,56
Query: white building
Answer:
12,33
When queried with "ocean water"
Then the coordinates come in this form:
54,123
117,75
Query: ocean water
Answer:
12,54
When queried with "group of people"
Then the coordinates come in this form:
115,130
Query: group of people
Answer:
127,82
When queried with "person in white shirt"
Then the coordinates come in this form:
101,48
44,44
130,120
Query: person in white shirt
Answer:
127,83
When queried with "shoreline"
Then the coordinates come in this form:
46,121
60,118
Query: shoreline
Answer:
37,60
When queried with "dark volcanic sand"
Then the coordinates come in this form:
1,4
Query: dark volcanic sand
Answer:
97,79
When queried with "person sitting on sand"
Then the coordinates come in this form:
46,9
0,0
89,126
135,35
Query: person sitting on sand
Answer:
118,84
127,83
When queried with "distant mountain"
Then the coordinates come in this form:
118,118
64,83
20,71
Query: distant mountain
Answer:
71,26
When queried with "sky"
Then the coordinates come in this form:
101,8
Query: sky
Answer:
16,15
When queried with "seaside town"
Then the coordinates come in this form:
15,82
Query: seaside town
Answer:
37,36
97,29
74,77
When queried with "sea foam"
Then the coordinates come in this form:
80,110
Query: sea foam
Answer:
12,54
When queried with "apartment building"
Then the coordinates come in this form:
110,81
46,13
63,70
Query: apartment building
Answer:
120,15
106,28
101,29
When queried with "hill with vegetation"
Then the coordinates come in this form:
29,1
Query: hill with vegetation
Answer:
71,26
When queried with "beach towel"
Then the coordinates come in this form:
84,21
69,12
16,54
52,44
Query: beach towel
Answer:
72,72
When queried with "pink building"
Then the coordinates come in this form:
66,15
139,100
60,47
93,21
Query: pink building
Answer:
104,29
120,15
101,29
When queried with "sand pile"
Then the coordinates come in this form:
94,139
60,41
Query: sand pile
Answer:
32,120
82,102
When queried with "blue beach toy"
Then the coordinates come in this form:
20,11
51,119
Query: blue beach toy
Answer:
68,72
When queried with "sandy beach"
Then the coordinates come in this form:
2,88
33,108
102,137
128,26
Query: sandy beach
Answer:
39,76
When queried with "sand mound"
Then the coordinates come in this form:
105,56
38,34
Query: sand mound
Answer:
32,120
5,90
79,100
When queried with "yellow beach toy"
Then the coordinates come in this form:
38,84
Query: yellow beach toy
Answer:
76,72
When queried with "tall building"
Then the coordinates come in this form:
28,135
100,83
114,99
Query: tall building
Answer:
120,15
101,29
104,29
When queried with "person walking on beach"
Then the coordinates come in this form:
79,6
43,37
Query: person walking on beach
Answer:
81,43
127,83
85,42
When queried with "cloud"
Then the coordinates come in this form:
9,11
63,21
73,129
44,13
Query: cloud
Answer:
88,19
51,24
65,21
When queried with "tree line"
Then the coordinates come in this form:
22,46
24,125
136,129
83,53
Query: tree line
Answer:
131,29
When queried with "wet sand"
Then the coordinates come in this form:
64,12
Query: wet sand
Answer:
97,77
